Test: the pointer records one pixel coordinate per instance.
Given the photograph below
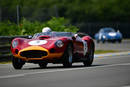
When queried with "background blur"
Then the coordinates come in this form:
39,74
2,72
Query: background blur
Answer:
88,15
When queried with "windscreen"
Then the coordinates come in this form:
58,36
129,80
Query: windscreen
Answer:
54,34
107,30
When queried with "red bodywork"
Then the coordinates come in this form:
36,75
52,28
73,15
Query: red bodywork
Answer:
49,51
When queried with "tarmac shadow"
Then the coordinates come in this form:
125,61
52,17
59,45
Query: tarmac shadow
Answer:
62,67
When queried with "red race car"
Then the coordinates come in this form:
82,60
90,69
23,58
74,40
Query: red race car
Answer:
53,47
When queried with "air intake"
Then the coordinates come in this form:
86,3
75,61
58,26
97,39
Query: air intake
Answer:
33,54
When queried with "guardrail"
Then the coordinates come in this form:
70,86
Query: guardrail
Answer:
5,41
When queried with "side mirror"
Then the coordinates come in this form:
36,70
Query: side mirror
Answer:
75,36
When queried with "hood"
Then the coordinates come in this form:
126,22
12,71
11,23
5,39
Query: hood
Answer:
45,43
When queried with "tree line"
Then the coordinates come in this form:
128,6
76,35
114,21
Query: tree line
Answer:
77,11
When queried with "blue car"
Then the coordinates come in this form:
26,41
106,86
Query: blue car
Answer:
108,34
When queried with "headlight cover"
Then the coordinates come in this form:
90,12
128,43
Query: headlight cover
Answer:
104,36
59,43
14,43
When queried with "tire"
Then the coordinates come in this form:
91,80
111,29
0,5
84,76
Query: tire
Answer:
90,57
119,41
43,64
114,41
68,56
103,41
17,63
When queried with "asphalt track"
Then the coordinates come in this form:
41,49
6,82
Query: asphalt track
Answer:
111,71
124,46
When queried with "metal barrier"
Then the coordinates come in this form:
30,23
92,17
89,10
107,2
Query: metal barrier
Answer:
5,41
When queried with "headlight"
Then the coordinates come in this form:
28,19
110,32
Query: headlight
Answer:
104,36
14,43
59,43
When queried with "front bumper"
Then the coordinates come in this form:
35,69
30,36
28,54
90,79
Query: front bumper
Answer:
37,54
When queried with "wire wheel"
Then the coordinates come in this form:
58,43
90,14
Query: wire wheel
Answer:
90,57
68,57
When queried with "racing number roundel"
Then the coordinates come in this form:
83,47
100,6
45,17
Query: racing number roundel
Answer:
37,42
85,47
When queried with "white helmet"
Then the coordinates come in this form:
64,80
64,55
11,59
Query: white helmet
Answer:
46,29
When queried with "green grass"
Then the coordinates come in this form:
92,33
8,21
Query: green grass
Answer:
105,51
5,62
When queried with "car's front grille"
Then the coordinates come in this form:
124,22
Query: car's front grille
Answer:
33,54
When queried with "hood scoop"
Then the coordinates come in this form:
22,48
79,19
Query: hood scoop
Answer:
44,37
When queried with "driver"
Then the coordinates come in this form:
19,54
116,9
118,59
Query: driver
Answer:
46,29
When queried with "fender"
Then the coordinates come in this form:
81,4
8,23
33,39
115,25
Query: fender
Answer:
89,42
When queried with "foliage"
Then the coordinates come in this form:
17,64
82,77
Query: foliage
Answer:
8,28
60,24
74,10
29,28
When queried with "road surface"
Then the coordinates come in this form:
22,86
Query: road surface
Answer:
124,46
112,71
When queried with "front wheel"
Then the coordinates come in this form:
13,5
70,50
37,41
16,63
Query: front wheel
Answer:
90,57
67,57
17,63
103,41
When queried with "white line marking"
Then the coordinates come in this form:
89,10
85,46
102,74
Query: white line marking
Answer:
112,54
11,76
61,70
123,64
32,73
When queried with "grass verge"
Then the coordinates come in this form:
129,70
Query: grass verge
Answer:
1,62
105,51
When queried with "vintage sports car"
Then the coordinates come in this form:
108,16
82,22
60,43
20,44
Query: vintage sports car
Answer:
108,34
53,47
